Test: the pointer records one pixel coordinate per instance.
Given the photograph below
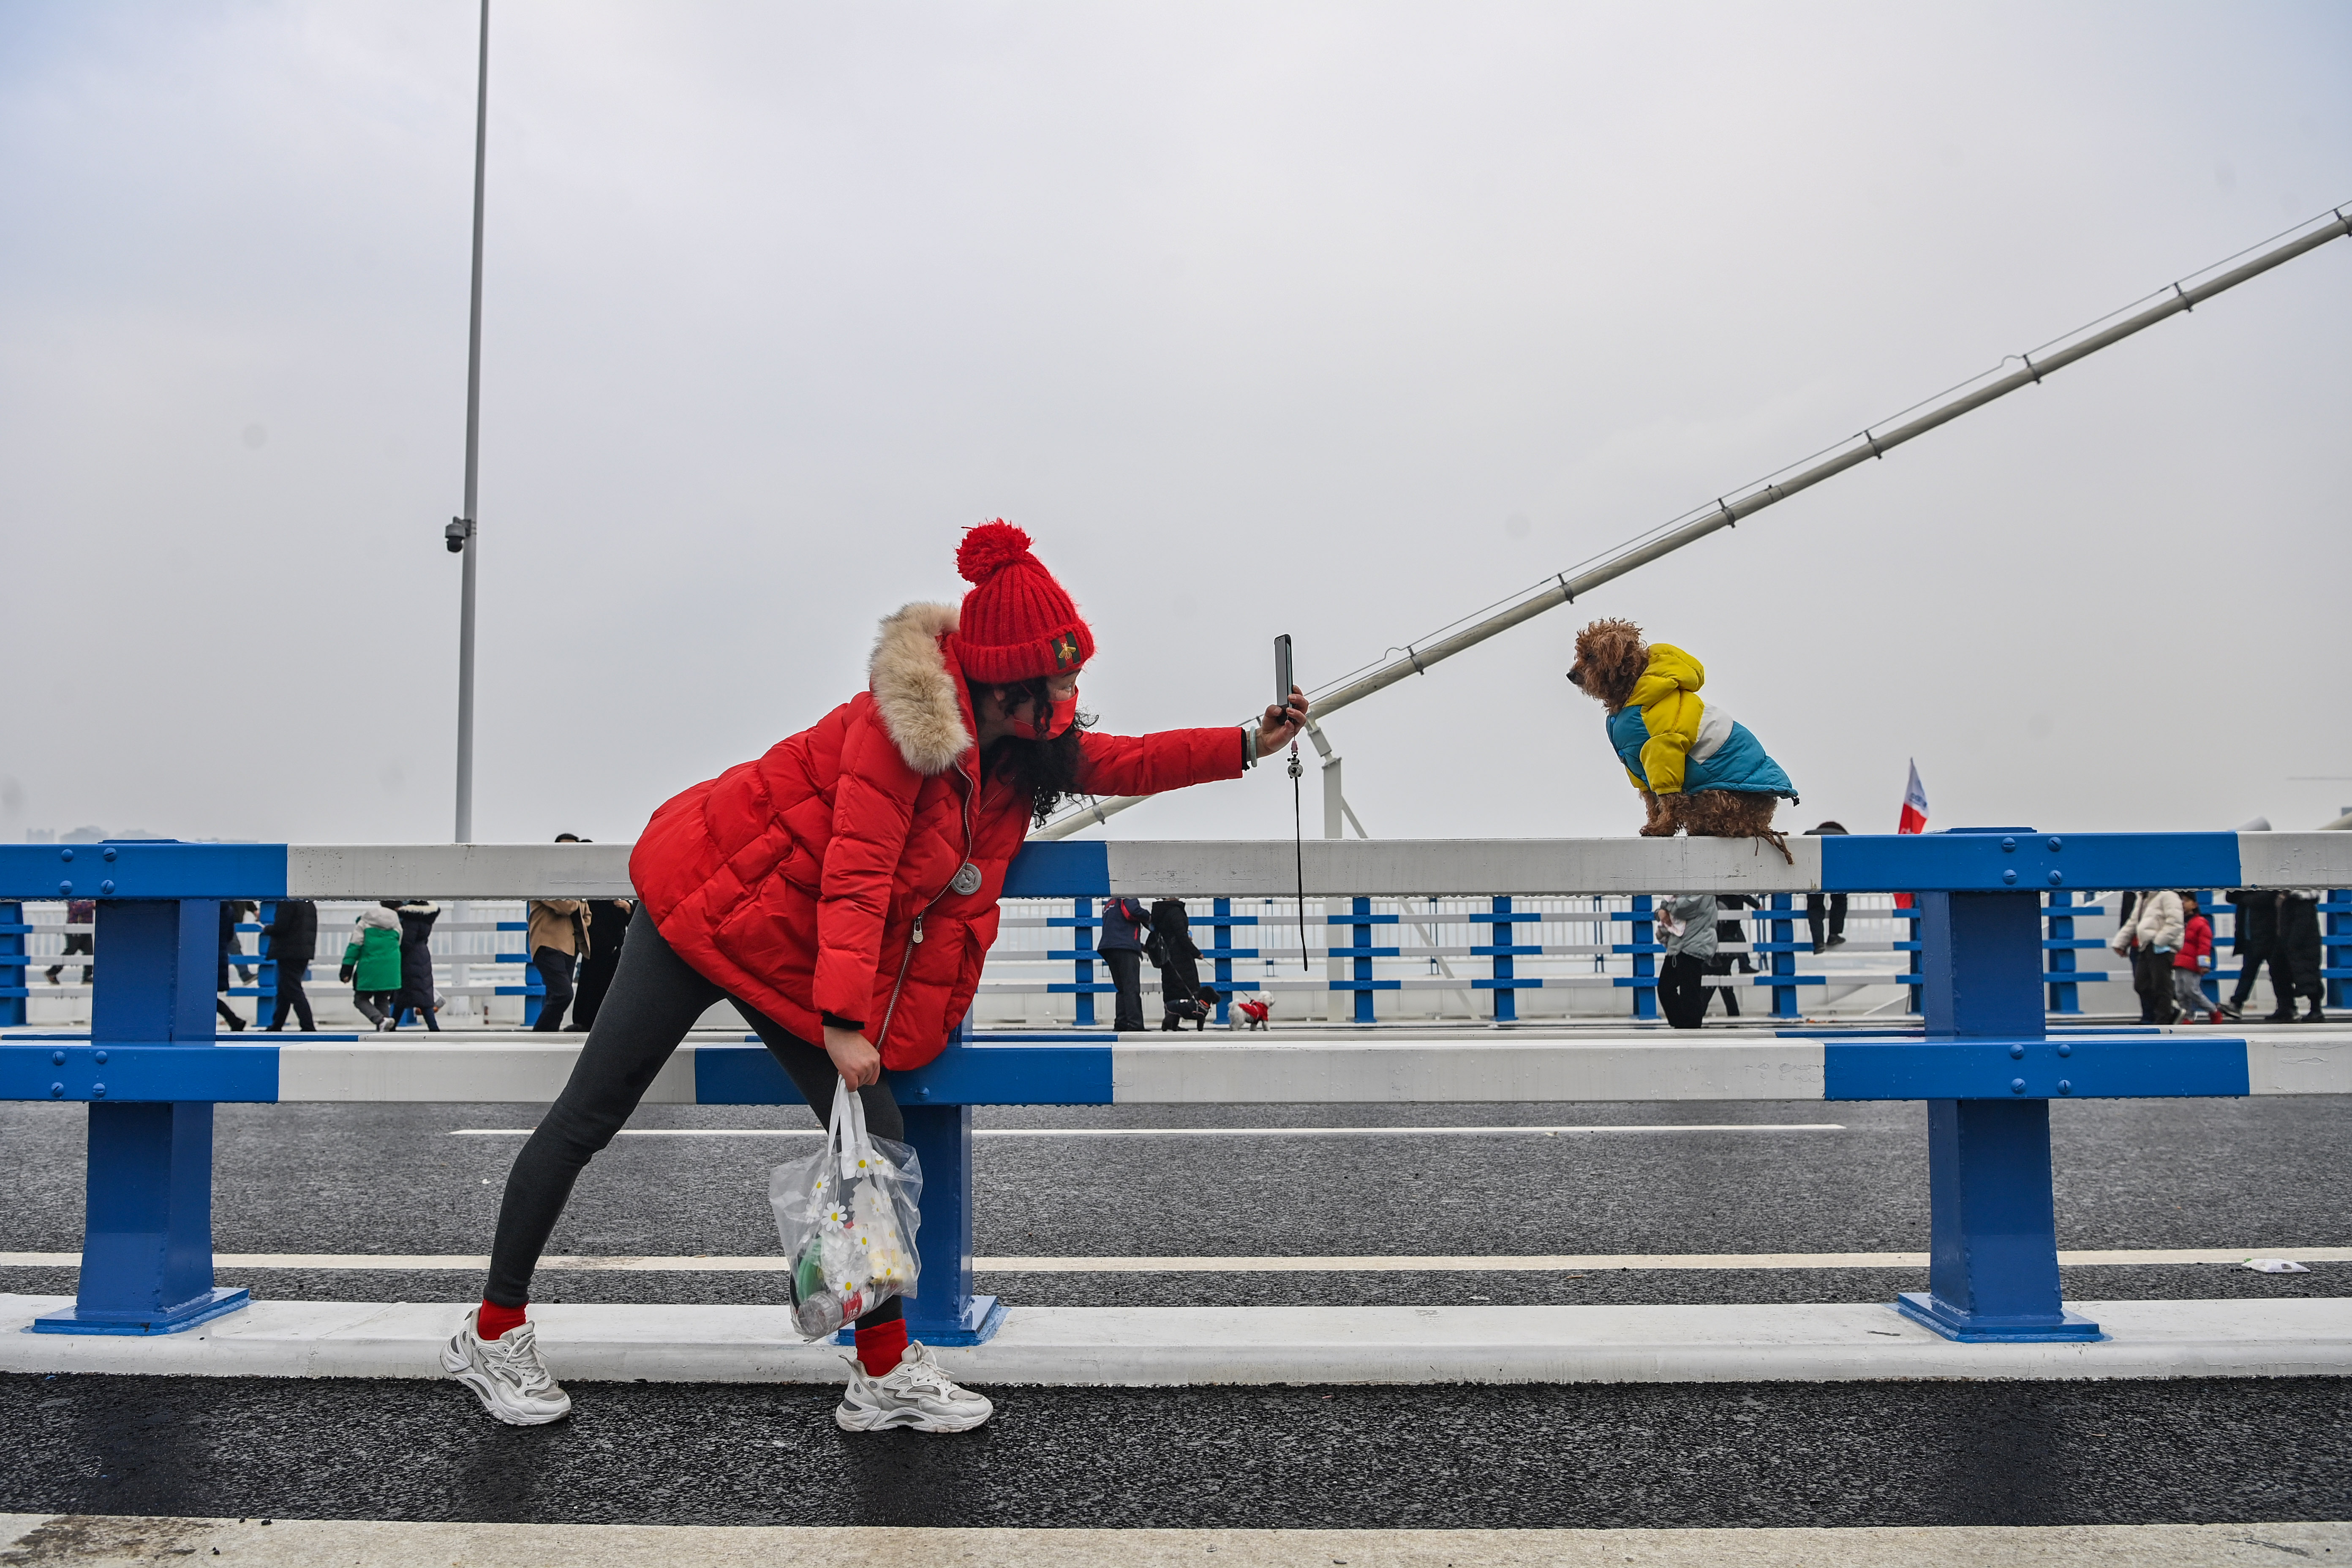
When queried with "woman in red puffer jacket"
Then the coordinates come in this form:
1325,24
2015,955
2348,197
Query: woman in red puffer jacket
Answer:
841,891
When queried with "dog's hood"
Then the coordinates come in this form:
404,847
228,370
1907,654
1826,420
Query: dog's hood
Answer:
1670,670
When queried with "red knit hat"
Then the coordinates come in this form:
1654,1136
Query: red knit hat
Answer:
1017,623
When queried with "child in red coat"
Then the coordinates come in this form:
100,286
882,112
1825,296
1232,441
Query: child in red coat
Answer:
2190,963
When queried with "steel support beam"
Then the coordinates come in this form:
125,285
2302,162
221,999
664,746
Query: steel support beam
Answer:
1992,1272
147,1226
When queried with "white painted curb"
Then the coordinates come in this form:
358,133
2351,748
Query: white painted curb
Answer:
1167,1346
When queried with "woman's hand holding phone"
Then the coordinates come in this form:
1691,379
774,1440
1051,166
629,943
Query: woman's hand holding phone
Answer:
1281,724
858,1063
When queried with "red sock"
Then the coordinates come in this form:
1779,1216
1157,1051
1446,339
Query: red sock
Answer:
879,1347
493,1320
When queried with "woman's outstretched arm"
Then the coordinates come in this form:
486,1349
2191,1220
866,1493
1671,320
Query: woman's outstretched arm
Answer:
1149,764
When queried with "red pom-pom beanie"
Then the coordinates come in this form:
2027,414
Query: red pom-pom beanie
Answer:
1017,622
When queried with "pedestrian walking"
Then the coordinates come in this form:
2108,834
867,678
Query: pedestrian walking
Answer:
2299,945
1172,950
292,935
608,924
1687,927
1731,928
2191,963
371,965
246,909
2149,935
2255,940
2126,946
1836,905
79,912
417,990
232,912
558,941
1124,922
842,893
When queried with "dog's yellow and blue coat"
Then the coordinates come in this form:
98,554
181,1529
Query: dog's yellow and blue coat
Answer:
1672,740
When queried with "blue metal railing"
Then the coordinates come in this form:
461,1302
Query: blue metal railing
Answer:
151,1069
1773,943
1514,958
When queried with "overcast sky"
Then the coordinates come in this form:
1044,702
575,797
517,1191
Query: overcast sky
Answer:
1337,320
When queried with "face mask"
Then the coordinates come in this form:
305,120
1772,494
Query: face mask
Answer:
1059,718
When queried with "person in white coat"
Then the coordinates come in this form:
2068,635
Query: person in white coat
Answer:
2149,935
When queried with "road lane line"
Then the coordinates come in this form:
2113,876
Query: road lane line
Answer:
1359,1263
1206,1131
298,1543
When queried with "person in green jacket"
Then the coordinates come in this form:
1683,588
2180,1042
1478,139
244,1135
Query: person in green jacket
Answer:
371,965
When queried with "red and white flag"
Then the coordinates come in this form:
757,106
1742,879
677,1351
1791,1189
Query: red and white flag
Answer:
1914,806
1913,819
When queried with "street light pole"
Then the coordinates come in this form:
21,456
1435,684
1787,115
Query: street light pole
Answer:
461,534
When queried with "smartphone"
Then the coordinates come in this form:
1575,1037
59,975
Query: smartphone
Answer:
1282,680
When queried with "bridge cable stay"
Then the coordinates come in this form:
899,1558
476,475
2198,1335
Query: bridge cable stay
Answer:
1873,441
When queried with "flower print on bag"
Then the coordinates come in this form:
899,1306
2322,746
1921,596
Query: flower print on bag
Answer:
847,1217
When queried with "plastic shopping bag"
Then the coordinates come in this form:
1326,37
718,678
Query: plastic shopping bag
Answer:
847,1219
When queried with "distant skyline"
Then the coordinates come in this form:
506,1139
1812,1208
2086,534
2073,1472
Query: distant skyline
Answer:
1337,321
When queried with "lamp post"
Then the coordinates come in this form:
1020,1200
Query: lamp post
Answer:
461,535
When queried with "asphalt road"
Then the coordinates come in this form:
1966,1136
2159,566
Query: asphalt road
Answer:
394,1179
1643,1455
2271,1172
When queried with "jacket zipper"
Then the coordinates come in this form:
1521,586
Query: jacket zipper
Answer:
915,937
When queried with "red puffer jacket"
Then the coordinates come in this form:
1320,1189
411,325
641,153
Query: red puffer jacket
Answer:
820,878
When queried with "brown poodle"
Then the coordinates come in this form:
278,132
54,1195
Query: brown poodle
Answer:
1614,666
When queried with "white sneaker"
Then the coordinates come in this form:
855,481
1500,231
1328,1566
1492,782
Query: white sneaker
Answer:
506,1374
916,1392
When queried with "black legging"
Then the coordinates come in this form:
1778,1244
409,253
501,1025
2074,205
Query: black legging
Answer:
2250,960
654,1000
1126,966
1814,916
1682,990
554,966
292,998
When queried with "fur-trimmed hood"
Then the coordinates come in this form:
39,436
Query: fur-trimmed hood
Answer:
917,688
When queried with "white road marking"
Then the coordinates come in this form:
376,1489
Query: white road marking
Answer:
1361,1263
1211,1132
101,1541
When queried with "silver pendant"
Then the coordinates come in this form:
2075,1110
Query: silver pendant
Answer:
967,879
